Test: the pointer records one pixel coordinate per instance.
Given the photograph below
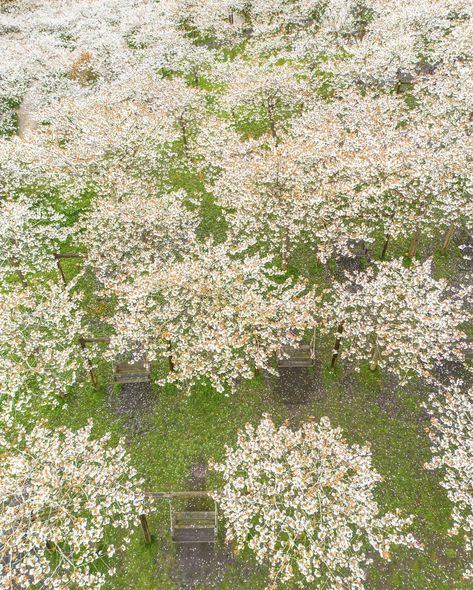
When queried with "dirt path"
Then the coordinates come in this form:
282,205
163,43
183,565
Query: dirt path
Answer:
135,402
298,388
200,565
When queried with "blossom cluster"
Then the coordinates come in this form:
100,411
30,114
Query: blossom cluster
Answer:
303,501
399,318
61,493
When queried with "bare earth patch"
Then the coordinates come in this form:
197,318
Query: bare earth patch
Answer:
135,402
200,565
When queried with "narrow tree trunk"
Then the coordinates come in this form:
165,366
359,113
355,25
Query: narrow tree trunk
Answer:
448,238
230,18
385,247
285,250
375,358
336,348
61,272
170,361
272,123
145,527
92,374
22,277
185,143
19,272
414,243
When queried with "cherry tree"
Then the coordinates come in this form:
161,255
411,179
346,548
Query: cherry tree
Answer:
427,174
126,237
112,123
181,105
396,317
31,170
447,97
29,236
177,55
213,315
262,92
304,502
39,354
272,27
451,434
126,137
271,197
62,495
313,185
220,19
384,44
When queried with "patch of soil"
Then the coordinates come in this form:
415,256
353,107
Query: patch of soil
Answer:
134,401
297,388
449,370
347,264
299,385
200,565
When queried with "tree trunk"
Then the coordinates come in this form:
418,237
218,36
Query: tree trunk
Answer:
338,340
375,358
385,247
272,123
92,374
19,272
285,250
448,238
145,527
414,243
22,277
183,127
170,361
61,272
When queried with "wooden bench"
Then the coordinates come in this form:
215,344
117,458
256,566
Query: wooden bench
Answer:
194,527
132,373
358,249
296,357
